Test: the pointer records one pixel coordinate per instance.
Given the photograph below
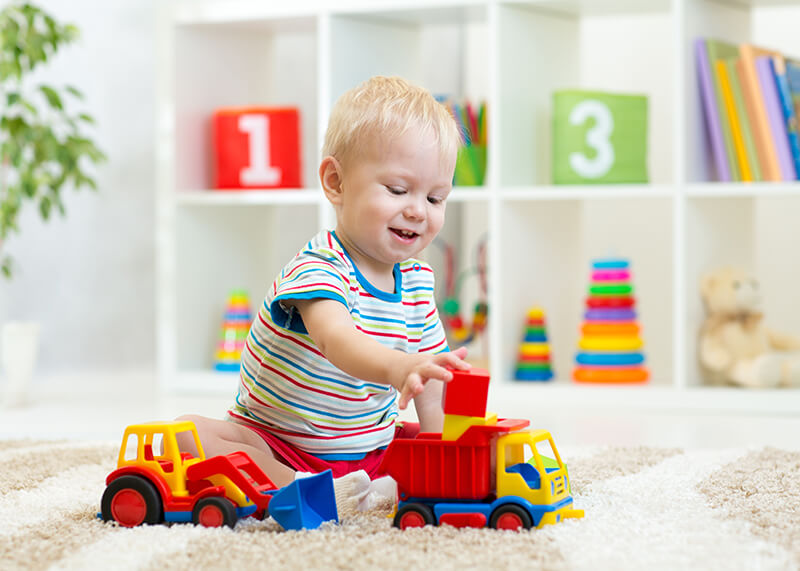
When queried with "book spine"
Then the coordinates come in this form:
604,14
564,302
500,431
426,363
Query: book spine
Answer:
766,79
744,118
711,112
733,120
787,105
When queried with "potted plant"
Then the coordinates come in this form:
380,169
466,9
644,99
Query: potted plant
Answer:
43,146
43,150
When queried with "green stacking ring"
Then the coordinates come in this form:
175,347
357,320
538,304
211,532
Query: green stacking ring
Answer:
528,366
611,289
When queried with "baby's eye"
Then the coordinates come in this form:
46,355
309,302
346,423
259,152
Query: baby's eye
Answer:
395,189
435,199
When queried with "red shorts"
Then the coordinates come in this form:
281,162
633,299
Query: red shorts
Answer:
305,462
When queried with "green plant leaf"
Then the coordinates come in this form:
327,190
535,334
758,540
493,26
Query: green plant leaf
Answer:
74,91
53,98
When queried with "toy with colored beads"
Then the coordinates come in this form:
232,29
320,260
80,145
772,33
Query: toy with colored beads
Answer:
533,362
458,331
610,347
233,334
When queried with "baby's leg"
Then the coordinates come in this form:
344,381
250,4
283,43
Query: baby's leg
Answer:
220,437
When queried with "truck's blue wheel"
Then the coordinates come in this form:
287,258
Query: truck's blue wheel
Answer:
414,515
510,516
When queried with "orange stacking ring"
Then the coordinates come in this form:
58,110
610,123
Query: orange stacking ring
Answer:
610,375
610,329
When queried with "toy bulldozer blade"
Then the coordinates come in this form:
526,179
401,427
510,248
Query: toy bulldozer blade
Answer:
305,503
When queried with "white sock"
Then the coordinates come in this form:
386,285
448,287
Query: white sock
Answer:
355,492
381,493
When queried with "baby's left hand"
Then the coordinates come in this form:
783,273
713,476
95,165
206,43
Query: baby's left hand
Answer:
419,368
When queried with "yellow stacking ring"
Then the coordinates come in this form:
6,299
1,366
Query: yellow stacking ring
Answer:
534,349
610,343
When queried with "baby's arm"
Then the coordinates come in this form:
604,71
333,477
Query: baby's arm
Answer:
331,327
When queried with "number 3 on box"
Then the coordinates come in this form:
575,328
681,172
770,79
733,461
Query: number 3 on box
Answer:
259,171
598,138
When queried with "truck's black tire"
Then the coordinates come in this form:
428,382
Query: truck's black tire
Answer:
130,501
510,516
214,512
414,515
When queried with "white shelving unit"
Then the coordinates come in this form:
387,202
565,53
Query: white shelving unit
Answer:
513,54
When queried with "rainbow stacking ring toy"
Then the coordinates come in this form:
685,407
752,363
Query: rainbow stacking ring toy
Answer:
609,350
533,361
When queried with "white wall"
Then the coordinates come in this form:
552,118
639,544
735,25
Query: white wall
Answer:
89,278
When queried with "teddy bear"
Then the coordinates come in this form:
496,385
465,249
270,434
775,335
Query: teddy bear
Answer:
736,348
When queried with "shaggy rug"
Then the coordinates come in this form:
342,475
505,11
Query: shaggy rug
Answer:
646,508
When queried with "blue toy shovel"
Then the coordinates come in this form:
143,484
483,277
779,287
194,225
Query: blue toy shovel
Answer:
305,503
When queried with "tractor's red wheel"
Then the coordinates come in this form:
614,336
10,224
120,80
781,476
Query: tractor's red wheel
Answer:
130,501
512,517
414,515
214,512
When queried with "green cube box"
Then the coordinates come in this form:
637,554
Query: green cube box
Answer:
599,138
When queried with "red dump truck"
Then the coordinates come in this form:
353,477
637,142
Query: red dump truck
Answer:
494,474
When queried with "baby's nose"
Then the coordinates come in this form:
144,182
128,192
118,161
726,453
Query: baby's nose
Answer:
414,209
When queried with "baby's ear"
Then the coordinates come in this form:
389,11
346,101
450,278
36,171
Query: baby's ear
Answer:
330,176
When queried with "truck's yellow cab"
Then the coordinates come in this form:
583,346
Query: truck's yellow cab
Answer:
532,481
170,463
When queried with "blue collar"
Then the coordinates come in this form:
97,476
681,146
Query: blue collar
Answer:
371,289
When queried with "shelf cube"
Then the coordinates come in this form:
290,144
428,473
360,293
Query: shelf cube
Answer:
599,138
257,147
466,394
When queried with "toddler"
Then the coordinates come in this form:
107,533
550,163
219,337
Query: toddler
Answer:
349,330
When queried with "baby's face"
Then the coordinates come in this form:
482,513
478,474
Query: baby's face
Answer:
394,199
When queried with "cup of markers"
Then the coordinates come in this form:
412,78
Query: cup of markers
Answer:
610,346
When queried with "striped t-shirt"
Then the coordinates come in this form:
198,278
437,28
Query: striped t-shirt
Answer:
286,385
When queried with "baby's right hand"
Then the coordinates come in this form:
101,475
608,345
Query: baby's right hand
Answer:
419,368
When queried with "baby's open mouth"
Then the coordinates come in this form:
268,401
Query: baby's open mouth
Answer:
406,234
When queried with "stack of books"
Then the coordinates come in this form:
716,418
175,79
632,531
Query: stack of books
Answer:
751,102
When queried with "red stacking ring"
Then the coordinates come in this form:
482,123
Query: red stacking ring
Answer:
621,301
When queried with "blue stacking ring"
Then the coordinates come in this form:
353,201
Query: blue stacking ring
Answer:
610,315
535,338
610,264
522,375
227,367
589,358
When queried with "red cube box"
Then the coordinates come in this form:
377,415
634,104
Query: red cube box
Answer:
256,147
467,393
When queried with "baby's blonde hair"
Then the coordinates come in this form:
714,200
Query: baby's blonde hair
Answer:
387,107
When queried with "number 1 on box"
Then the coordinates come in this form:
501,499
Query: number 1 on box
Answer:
259,172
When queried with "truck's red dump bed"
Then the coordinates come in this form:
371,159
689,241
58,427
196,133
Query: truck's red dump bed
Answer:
429,467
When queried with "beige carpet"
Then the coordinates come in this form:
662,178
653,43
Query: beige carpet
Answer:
645,509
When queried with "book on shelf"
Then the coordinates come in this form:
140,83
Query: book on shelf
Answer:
711,111
743,116
793,76
787,106
750,112
722,69
718,50
766,79
762,132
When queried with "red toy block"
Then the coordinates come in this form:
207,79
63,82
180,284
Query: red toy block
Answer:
467,393
256,147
